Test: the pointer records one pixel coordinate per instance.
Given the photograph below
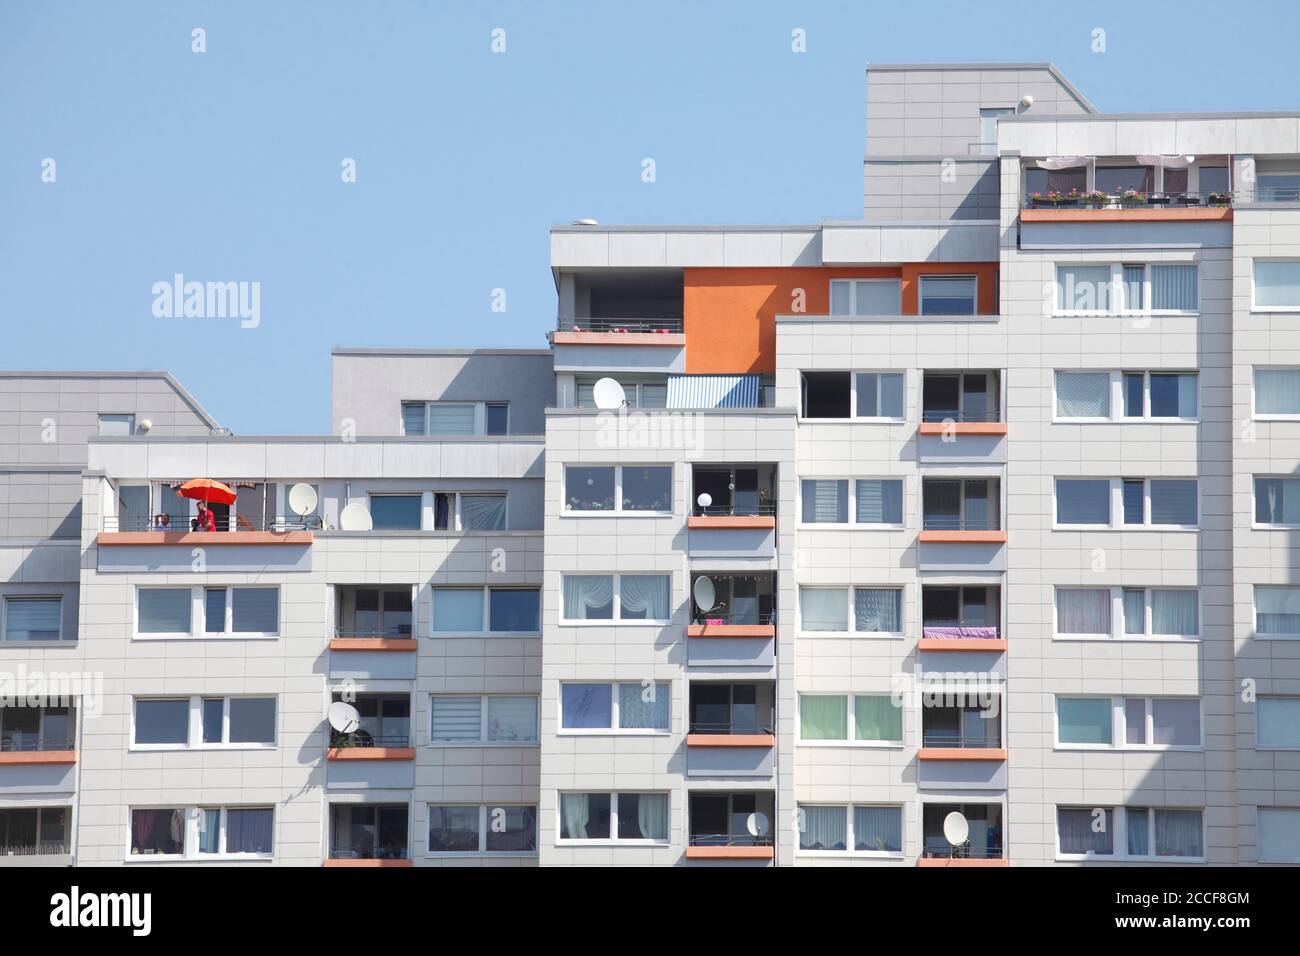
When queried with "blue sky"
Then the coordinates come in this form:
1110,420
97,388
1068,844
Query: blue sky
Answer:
225,165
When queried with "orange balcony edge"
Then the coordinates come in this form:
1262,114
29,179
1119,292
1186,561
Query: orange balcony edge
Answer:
731,630
731,740
671,339
964,537
115,538
730,852
730,521
1135,214
371,753
974,864
366,864
961,753
34,757
963,428
961,644
373,644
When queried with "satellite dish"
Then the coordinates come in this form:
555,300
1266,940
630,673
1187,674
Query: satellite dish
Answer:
705,594
145,425
302,500
355,517
608,394
757,824
704,500
955,829
585,222
343,717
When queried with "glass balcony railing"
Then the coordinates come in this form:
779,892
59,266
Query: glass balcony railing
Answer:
591,324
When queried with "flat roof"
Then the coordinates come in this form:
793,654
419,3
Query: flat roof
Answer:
180,389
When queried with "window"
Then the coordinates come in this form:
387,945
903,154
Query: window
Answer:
489,719
608,597
959,396
1160,612
395,512
27,728
467,511
1277,611
1277,392
1277,187
1279,835
1114,180
1083,395
507,610
1277,501
1064,181
116,424
865,297
374,612
825,501
1277,723
1083,612
880,395
163,610
1170,501
617,707
505,830
235,831
1122,288
1081,288
368,831
1169,395
1145,502
874,395
948,295
204,722
617,817
637,394
238,611
827,394
869,829
1129,722
33,831
33,619
1130,832
1276,285
1083,501
877,611
455,418
619,488
876,719
497,418
879,501
158,832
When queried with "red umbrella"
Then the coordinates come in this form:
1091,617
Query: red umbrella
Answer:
205,489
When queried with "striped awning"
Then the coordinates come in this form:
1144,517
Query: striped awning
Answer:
714,391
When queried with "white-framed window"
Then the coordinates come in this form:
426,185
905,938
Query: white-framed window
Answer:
871,611
872,395
490,610
32,617
636,818
110,424
476,720
1275,285
1098,503
469,510
1276,393
623,707
1119,396
482,830
1132,613
1279,834
396,512
948,295
197,833
642,598
866,297
1277,501
637,393
618,488
1277,611
203,722
1128,723
860,829
207,611
455,418
844,501
1131,833
1117,288
864,719
1277,723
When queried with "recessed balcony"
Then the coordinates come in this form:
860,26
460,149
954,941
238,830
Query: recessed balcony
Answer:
631,331
960,403
961,510
962,733
384,733
961,618
1150,188
34,836
744,606
983,846
368,835
732,729
373,620
731,827
180,529
37,736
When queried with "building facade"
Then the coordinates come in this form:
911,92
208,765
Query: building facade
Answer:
958,535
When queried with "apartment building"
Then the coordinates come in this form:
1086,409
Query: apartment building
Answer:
975,514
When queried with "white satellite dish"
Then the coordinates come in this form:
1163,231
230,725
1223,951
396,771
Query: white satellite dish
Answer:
704,500
355,517
302,500
706,596
955,829
757,824
343,717
608,394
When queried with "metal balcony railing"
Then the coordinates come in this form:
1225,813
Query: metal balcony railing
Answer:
938,848
362,738
953,414
731,839
588,324
392,852
723,616
960,740
728,728
932,522
763,509
21,742
222,523
950,631
400,631
43,848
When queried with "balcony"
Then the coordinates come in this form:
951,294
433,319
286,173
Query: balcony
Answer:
731,827
961,618
732,729
179,529
653,332
982,848
961,733
961,403
961,510
372,635
379,753
1127,188
34,836
744,606
368,835
37,736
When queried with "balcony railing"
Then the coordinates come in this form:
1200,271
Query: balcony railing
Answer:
959,632
224,523
730,728
370,853
1131,199
960,739
938,848
958,523
585,324
734,617
395,632
18,742
43,848
1273,194
763,509
731,839
952,414
363,739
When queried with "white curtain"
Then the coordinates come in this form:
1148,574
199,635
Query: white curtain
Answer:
1139,830
1168,162
1074,826
1277,500
1173,287
635,711
1178,833
1174,612
878,828
644,596
576,814
824,609
1064,162
483,512
824,828
877,609
584,593
1277,391
1083,394
652,815
1135,611
1277,610
1083,610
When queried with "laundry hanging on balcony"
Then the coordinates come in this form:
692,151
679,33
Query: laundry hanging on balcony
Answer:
714,391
